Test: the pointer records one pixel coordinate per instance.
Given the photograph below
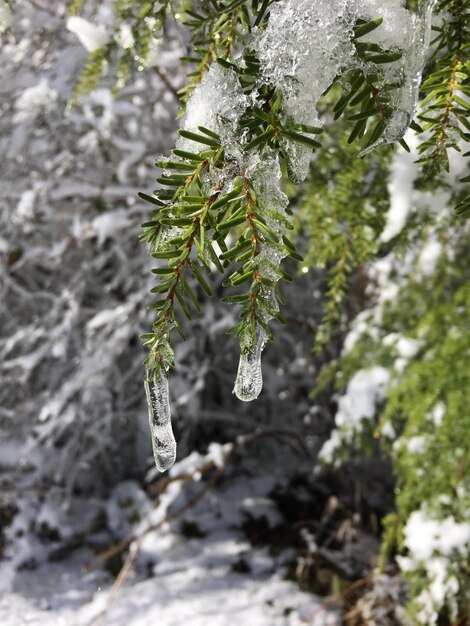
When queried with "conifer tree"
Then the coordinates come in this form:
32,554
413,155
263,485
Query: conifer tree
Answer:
311,100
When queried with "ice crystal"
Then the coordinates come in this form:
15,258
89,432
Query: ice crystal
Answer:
249,381
163,440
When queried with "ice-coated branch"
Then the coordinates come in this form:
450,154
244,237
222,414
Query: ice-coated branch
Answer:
221,201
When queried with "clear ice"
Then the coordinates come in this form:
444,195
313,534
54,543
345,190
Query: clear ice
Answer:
307,43
406,97
249,381
163,440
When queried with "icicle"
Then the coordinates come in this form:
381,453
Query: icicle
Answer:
249,381
163,440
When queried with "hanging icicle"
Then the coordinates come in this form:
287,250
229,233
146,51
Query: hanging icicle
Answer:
249,380
163,440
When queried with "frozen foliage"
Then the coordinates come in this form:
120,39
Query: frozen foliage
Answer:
304,48
74,278
307,44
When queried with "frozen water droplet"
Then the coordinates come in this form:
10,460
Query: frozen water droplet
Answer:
163,440
249,381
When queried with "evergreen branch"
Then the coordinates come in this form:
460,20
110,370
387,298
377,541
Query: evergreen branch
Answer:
445,112
144,20
446,87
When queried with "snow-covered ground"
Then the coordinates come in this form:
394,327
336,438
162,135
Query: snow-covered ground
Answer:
202,568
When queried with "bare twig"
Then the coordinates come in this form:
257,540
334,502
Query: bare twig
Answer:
120,579
357,584
166,81
240,441
135,540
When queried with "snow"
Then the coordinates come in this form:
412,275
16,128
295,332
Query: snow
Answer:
106,317
331,446
408,347
217,104
36,100
176,579
416,444
91,36
365,390
359,326
218,453
403,173
425,536
429,256
220,598
436,415
405,348
125,37
431,543
25,208
107,226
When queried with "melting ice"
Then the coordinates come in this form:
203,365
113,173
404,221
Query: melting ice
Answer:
249,381
163,440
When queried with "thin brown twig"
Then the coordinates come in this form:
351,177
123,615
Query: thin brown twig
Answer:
120,547
240,441
137,538
357,584
166,81
137,541
120,579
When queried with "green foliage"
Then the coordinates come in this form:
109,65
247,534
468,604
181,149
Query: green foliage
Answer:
341,212
445,107
426,404
91,73
217,31
139,28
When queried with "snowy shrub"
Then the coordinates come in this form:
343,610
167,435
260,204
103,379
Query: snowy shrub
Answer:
416,336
